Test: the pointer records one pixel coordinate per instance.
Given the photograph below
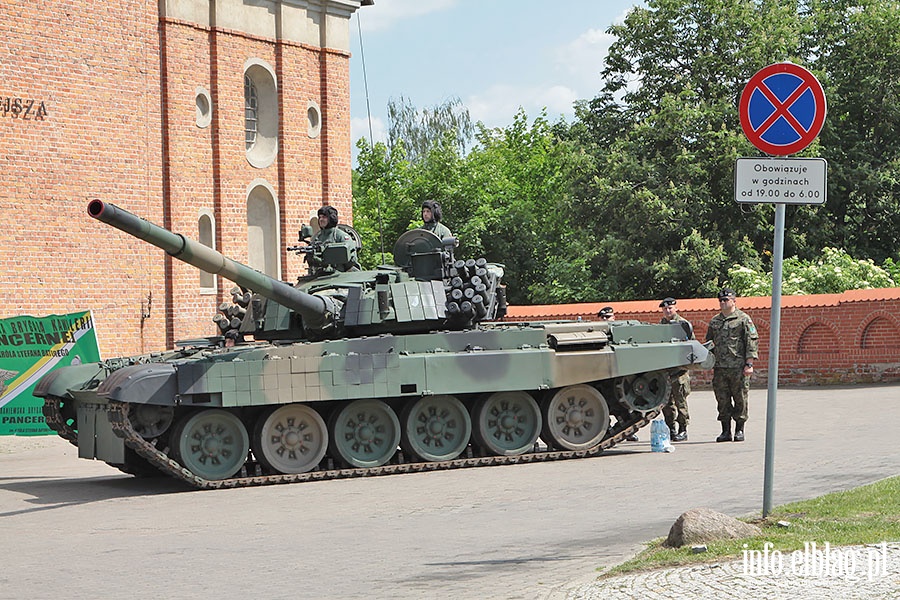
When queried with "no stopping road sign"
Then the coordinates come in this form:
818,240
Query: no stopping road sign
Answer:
782,109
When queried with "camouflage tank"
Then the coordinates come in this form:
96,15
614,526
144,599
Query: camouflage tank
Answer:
357,373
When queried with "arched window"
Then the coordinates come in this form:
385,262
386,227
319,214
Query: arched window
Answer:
263,239
251,112
205,236
260,113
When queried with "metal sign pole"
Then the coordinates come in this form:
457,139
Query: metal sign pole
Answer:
774,337
783,90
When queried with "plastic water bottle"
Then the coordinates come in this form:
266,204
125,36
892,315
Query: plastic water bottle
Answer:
659,436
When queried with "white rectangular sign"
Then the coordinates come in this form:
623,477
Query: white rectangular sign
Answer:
780,180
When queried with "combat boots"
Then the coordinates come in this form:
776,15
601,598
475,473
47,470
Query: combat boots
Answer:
739,432
681,436
726,432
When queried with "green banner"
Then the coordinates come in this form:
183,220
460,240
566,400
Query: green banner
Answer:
30,347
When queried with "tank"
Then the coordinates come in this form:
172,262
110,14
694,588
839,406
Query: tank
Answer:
356,373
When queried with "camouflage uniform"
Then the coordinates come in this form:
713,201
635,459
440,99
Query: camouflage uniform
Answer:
736,342
332,235
437,228
676,409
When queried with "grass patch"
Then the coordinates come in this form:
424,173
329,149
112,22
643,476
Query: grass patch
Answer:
865,515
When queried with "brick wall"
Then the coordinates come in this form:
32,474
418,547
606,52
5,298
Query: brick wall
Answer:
846,338
119,88
97,71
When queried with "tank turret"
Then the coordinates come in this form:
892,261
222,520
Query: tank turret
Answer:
427,290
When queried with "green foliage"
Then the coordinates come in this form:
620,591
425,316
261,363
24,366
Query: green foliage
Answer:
893,269
421,131
834,272
381,201
635,197
506,200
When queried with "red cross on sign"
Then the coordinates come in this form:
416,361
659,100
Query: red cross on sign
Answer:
782,109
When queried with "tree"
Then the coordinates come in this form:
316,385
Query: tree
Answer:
858,43
382,206
420,132
507,199
514,207
664,133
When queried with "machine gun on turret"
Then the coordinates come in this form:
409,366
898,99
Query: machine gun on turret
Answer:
326,258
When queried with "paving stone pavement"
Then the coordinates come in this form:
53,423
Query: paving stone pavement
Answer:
853,572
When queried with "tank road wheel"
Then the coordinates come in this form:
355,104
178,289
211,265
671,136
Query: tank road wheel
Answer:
290,438
645,392
506,423
575,418
365,433
435,428
211,443
150,420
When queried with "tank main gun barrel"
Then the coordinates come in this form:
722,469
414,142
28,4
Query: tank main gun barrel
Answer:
317,311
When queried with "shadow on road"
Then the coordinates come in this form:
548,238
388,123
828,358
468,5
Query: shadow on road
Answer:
47,493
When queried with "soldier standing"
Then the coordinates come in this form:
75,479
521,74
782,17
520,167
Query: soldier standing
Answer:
676,409
736,347
431,219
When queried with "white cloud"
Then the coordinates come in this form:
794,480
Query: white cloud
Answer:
496,106
387,13
359,128
581,60
575,75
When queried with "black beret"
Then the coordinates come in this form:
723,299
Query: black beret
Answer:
726,293
668,302
606,310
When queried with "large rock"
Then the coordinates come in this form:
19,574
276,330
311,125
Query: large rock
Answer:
700,525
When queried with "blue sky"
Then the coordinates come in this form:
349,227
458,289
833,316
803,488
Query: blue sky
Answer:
495,55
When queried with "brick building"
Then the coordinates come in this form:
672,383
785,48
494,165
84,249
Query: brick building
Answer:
853,337
225,120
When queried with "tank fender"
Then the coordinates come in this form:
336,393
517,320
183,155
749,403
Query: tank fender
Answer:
59,381
153,383
705,362
642,358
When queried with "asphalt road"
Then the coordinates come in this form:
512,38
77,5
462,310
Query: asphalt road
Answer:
75,529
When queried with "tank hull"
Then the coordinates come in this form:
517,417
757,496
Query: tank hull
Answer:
132,416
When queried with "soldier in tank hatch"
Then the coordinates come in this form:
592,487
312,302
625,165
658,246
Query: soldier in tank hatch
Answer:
736,347
431,219
676,409
330,233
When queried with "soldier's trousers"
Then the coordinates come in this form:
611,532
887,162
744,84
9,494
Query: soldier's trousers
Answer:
676,409
731,388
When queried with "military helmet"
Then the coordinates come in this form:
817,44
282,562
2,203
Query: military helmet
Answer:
435,207
330,212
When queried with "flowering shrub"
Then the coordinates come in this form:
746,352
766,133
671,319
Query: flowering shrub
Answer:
834,272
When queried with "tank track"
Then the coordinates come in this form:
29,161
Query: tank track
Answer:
118,417
54,419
